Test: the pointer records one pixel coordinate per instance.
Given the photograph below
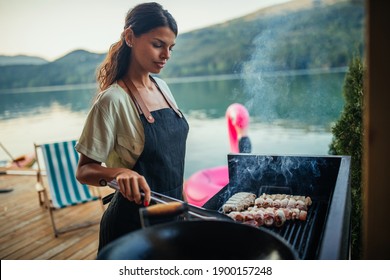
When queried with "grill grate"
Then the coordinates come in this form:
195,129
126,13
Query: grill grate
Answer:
302,234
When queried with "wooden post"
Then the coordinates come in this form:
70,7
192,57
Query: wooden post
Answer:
376,160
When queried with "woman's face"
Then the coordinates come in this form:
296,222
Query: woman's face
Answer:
151,51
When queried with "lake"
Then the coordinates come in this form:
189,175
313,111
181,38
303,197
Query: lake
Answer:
291,113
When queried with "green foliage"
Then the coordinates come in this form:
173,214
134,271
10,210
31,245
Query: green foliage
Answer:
347,140
321,37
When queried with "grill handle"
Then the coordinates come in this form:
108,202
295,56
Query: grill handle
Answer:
168,210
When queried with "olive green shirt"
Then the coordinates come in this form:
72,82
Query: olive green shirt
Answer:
113,132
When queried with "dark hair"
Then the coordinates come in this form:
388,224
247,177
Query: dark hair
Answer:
141,19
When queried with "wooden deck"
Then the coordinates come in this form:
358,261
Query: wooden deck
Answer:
25,228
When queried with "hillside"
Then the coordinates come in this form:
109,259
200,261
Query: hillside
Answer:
77,67
317,36
301,34
21,60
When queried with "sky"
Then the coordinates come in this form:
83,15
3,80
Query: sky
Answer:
52,28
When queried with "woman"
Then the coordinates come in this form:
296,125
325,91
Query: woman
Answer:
134,126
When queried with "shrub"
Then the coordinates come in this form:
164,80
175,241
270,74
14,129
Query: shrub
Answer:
347,140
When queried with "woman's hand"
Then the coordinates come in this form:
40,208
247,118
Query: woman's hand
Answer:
131,184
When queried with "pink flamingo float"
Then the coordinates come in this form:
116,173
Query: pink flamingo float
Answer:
204,184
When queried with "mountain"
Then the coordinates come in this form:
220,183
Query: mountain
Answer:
297,35
300,34
21,60
77,67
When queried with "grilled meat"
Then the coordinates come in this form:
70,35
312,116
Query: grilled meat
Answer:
280,218
283,201
239,202
268,210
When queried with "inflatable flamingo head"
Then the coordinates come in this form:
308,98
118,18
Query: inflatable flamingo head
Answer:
237,117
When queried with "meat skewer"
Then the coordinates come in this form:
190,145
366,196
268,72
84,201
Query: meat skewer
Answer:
307,199
269,216
283,201
268,210
239,202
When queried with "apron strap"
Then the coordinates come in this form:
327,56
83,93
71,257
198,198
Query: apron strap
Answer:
137,97
134,100
167,99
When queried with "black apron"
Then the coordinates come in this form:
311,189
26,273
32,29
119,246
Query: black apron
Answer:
161,163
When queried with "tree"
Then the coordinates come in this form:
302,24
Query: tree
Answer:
347,140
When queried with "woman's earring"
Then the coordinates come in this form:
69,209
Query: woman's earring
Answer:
129,45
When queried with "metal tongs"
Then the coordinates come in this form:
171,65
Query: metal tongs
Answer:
194,211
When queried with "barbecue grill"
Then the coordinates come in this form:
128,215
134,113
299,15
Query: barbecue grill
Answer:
326,232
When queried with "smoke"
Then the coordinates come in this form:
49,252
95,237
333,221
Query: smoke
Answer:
281,170
283,77
274,174
262,85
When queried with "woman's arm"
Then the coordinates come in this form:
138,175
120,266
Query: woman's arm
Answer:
130,183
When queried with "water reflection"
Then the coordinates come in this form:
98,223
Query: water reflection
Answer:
208,99
305,99
18,135
289,115
17,105
309,100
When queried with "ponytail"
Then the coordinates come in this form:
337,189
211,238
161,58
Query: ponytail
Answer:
114,65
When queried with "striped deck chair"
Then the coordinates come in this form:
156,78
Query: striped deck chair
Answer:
61,161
